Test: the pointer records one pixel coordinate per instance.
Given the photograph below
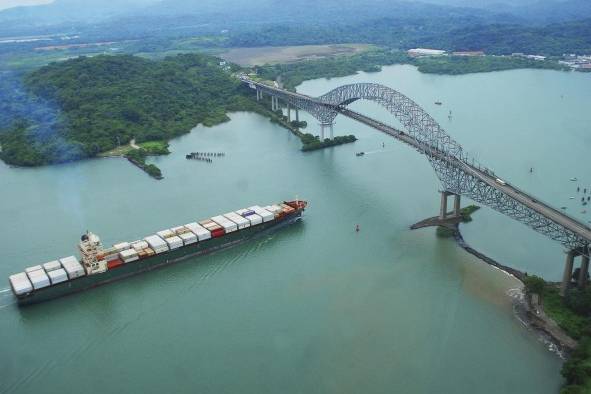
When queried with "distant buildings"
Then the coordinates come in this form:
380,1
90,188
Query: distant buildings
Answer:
534,57
576,61
468,53
418,52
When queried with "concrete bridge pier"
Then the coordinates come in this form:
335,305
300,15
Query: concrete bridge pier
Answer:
259,94
567,276
274,103
288,113
584,271
297,112
330,126
443,213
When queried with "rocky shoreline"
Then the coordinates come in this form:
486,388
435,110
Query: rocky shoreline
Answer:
534,311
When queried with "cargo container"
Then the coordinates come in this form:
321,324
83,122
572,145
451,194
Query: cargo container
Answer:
114,264
128,256
39,279
20,283
287,209
228,225
218,233
157,243
139,245
33,268
239,220
143,255
275,209
188,238
266,215
174,242
165,234
52,266
57,276
179,230
73,267
249,215
201,233
121,246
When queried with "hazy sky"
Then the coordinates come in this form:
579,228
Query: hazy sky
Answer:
13,3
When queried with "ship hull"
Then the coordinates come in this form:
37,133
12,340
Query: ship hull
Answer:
156,261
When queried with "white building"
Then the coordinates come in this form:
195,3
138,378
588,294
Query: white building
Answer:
425,52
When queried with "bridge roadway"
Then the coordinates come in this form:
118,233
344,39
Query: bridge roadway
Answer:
529,201
518,195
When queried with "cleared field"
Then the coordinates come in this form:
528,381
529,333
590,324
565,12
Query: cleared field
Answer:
269,55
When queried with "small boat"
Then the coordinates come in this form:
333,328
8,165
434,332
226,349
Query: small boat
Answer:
573,179
359,153
438,103
563,208
571,198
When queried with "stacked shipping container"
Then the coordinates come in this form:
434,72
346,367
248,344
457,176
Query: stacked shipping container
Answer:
69,268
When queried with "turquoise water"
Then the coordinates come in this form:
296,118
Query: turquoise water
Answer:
316,307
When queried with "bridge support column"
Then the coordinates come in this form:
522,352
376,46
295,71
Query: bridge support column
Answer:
288,113
582,280
297,114
331,131
457,206
443,208
259,94
568,272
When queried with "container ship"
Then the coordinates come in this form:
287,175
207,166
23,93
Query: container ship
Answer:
97,265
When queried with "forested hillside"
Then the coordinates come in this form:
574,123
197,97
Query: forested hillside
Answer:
105,101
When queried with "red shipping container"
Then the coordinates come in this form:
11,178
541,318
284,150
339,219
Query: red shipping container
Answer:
114,264
217,233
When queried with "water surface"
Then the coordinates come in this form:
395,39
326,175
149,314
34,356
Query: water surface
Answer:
317,307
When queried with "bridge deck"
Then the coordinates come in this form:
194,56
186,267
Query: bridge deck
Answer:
549,212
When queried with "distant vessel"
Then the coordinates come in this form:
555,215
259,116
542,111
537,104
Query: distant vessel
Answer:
438,103
573,179
359,153
99,266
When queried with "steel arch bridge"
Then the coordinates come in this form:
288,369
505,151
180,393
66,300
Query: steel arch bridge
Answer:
458,173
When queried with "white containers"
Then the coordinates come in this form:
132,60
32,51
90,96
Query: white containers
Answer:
39,279
156,243
129,255
72,266
201,233
266,215
174,242
188,238
57,276
228,225
249,215
239,220
121,246
52,266
20,283
34,268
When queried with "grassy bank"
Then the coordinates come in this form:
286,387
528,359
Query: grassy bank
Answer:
573,314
